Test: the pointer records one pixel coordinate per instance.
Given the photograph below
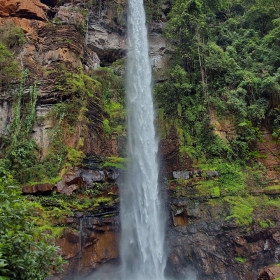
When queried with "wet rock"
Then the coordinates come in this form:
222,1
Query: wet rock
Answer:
94,243
91,176
276,237
108,46
40,131
240,240
5,117
181,174
212,173
112,174
62,187
159,55
85,178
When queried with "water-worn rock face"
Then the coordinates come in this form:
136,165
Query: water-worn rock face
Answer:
91,242
220,250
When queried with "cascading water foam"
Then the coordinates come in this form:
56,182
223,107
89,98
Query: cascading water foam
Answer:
142,214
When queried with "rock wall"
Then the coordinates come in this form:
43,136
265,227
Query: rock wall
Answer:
198,236
65,34
218,249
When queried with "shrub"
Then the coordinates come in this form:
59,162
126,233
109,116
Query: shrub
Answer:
25,254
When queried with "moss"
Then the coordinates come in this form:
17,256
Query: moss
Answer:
273,188
116,162
231,179
270,202
239,259
241,209
103,200
75,157
79,82
12,36
266,223
106,127
215,192
9,67
55,231
205,186
52,180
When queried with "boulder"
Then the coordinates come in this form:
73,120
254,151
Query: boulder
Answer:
108,46
31,9
91,176
37,188
269,272
84,178
181,174
212,173
68,15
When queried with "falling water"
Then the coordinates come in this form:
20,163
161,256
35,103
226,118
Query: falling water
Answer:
142,215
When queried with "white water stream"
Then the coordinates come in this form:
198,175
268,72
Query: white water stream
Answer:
142,215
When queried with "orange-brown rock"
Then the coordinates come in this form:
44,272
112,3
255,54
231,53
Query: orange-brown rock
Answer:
95,243
269,272
269,151
37,188
31,9
30,27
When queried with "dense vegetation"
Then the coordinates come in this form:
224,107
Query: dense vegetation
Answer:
25,252
226,62
224,73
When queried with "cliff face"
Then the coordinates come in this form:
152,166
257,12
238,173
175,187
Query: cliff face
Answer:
75,36
78,37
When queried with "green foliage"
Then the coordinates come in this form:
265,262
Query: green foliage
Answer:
9,67
75,157
116,162
273,188
266,223
74,83
242,209
106,127
231,179
24,253
113,100
103,200
12,36
153,10
240,259
53,209
20,151
215,192
226,60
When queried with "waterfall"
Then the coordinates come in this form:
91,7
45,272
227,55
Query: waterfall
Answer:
142,215
81,220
